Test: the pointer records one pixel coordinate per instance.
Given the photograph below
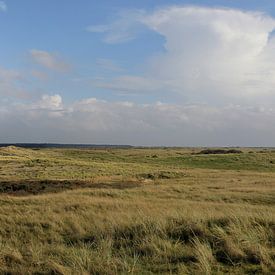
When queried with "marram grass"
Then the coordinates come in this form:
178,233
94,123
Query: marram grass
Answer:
136,211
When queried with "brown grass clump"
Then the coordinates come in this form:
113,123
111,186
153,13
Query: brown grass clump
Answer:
204,256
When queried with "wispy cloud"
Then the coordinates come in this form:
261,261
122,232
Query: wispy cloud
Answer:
49,60
39,74
130,84
108,64
124,29
3,6
11,84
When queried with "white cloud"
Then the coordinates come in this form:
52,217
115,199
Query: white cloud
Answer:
53,102
47,108
210,53
49,60
218,51
3,6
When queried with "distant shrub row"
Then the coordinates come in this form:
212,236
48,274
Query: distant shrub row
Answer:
220,151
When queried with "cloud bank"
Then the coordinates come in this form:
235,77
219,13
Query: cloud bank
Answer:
98,121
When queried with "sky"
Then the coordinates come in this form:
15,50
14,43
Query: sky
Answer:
147,72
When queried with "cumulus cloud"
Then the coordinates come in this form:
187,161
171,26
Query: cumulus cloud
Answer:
3,6
49,60
49,105
215,50
210,52
48,102
97,121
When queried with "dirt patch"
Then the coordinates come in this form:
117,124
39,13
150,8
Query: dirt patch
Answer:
35,187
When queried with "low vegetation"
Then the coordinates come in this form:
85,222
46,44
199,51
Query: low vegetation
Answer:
220,151
137,211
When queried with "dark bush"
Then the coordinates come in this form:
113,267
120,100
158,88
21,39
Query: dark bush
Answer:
220,151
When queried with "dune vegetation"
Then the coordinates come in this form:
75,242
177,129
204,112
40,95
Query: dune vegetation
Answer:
137,211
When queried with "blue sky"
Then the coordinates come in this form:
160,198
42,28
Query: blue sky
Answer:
186,73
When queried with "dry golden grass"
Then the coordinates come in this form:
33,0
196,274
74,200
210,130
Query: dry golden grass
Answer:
141,215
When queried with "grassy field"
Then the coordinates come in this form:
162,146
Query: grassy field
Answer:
137,211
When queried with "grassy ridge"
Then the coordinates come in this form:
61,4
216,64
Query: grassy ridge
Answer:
20,163
138,211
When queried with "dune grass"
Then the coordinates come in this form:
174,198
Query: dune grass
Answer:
137,211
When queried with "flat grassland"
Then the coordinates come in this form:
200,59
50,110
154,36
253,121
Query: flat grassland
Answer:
137,211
